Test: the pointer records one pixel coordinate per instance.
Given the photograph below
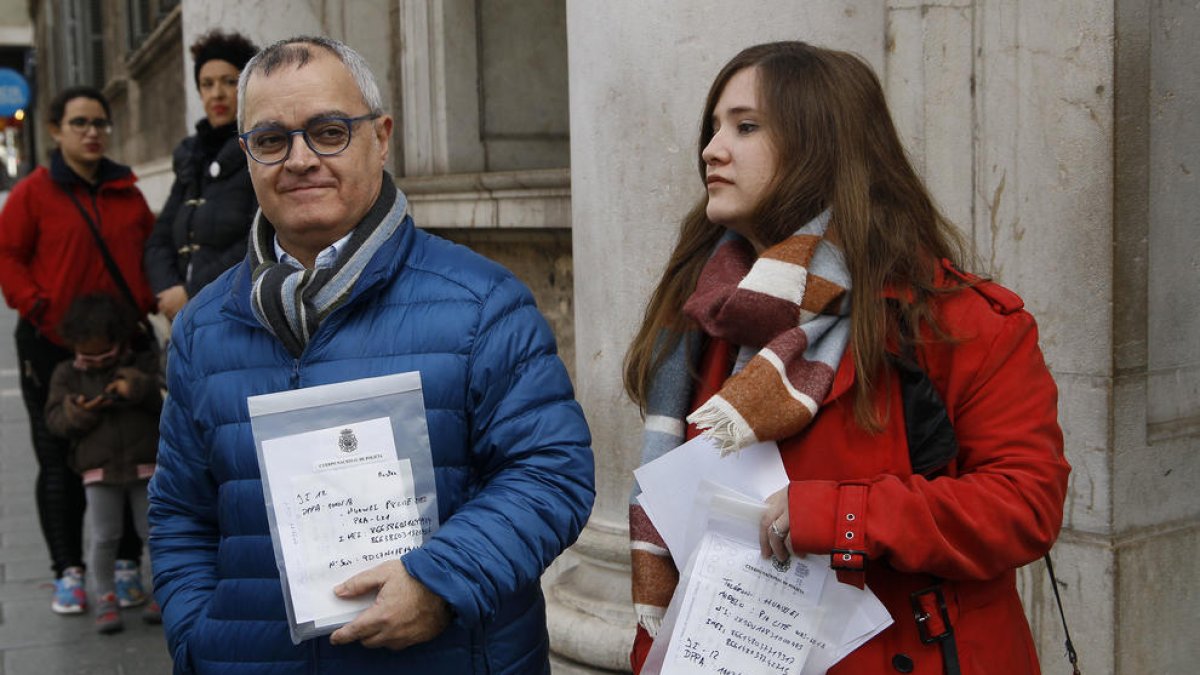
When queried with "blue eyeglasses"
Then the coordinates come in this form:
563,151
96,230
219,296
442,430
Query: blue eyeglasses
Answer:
325,136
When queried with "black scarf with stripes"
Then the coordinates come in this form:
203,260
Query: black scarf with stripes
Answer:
291,302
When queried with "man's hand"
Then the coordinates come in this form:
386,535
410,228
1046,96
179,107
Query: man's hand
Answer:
405,612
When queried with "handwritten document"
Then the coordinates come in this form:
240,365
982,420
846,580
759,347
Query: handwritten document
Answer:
700,500
745,615
343,503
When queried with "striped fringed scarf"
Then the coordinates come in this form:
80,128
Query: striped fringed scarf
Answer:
291,302
789,312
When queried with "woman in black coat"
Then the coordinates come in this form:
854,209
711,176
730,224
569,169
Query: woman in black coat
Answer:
202,229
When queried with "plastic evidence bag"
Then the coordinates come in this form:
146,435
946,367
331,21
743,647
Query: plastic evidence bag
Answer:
348,483
734,611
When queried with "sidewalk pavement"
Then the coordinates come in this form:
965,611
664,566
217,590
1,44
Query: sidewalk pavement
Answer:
34,640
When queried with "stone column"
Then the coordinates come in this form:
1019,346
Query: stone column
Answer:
639,73
1155,465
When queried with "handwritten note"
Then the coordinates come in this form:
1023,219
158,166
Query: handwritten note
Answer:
349,505
745,615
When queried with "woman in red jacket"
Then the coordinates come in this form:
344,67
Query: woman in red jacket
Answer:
812,283
49,255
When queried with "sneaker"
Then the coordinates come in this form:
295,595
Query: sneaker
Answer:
128,581
69,596
152,613
108,615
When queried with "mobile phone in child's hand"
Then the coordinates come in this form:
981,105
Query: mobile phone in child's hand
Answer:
96,402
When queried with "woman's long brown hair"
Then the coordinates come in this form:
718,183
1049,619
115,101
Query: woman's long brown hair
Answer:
837,147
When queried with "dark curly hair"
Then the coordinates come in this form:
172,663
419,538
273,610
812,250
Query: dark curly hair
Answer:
232,47
58,105
98,315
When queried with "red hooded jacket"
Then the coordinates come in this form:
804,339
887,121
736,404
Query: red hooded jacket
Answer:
48,257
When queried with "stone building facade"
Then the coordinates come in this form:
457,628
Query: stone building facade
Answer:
558,137
479,164
130,50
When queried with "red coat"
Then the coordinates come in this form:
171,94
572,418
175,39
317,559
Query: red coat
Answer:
998,506
47,253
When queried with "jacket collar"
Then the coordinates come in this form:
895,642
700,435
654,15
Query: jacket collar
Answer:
222,145
207,134
195,157
108,174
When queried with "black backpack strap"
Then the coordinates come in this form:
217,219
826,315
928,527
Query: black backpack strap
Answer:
931,440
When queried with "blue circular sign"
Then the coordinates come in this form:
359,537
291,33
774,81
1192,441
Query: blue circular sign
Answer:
14,92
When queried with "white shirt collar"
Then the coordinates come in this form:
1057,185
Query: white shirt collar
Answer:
325,258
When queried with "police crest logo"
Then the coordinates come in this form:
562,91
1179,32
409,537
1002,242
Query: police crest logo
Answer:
347,441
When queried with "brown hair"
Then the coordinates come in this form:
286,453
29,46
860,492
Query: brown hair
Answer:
838,149
58,105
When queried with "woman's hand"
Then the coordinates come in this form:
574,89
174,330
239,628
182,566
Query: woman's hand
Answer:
773,530
171,300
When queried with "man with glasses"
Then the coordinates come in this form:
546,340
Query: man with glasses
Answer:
339,285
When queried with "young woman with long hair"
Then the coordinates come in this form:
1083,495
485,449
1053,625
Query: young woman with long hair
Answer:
811,292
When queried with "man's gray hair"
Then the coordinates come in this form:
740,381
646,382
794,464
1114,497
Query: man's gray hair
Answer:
296,51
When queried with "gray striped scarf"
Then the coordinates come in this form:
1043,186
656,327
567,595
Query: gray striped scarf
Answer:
292,303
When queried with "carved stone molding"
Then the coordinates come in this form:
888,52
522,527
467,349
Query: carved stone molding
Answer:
508,199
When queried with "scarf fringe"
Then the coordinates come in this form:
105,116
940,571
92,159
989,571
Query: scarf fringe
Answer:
650,618
722,423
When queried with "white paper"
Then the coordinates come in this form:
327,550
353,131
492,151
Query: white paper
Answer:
742,613
694,496
669,484
852,616
343,504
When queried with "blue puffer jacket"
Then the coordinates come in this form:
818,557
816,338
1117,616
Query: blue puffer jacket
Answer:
511,451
